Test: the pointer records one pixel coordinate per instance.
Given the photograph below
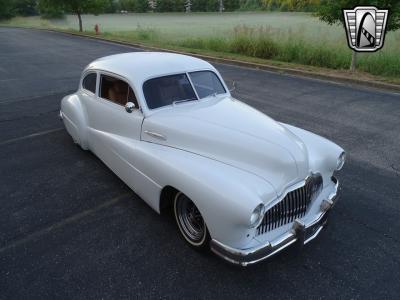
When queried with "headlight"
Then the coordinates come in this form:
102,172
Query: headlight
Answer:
340,161
257,215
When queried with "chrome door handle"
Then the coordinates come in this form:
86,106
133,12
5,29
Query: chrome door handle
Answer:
156,135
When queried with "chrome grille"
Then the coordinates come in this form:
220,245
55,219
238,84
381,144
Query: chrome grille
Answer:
293,206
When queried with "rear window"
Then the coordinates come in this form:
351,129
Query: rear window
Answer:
89,82
166,90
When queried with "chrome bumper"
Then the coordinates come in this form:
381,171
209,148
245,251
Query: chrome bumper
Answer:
300,233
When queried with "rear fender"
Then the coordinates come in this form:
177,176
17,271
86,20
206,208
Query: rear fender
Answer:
74,118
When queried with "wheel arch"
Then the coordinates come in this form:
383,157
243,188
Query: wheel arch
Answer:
167,196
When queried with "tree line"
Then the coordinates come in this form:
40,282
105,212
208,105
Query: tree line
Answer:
57,8
329,11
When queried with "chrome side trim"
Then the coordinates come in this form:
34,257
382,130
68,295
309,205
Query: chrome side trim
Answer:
156,135
300,232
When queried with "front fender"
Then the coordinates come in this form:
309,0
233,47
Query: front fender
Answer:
323,153
226,196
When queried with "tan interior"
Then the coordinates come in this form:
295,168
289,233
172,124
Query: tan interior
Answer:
118,92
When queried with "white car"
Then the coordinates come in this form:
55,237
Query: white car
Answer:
237,181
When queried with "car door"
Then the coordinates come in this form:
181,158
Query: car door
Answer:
114,133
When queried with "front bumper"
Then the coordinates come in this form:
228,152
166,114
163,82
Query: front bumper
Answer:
300,233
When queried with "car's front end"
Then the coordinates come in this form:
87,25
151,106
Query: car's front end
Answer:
286,184
296,217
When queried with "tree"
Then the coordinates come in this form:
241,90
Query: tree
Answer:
152,5
77,7
330,11
231,5
141,6
188,6
112,6
134,5
221,6
127,5
25,7
166,5
7,9
50,11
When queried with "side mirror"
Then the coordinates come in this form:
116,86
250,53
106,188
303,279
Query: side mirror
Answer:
129,107
231,89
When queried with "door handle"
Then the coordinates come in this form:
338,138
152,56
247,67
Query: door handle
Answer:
156,135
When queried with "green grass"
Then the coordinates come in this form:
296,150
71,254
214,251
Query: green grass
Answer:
296,38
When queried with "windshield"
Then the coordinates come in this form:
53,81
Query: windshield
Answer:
166,90
206,83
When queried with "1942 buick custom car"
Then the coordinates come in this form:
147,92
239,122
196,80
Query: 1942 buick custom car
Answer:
237,181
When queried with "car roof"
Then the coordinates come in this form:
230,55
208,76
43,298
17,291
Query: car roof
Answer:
137,67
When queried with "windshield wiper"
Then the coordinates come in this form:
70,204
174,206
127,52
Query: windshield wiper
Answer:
184,100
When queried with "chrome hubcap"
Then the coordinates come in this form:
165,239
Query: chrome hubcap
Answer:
190,219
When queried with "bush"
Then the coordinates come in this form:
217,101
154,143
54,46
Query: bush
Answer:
380,63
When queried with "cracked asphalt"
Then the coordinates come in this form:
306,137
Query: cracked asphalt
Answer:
69,228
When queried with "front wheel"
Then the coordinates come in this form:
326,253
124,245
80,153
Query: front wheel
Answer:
190,222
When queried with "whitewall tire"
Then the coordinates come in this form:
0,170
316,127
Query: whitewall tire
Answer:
190,222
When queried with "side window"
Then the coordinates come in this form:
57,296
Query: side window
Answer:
116,90
89,82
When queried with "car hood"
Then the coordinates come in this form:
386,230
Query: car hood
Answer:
229,131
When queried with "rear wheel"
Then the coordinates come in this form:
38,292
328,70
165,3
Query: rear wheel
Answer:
190,222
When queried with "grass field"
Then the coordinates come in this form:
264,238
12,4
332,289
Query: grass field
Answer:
286,37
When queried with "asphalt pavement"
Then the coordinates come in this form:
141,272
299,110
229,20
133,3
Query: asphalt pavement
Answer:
69,228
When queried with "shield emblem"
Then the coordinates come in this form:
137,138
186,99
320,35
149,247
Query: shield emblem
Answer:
365,28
